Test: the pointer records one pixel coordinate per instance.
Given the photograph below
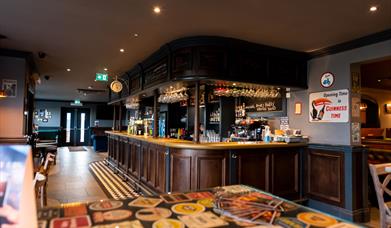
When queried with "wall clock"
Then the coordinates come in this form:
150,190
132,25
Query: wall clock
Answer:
116,86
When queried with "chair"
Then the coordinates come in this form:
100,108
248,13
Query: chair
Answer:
381,189
41,180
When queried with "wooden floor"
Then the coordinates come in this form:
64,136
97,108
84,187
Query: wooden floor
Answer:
71,181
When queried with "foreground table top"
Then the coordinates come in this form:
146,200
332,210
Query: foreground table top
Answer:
229,206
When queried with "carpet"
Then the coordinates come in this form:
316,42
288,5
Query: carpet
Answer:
112,185
76,148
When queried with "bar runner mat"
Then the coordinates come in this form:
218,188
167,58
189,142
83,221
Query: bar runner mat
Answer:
112,185
76,149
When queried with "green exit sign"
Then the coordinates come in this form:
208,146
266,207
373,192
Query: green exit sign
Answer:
101,77
77,101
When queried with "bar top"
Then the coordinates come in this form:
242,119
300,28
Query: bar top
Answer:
184,144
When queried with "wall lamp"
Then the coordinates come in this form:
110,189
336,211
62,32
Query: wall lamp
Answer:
2,93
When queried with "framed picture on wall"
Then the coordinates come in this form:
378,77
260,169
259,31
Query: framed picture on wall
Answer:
387,108
10,87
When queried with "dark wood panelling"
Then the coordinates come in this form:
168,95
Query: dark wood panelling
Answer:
156,74
285,178
144,162
160,183
180,172
210,61
182,62
210,171
218,58
152,164
253,168
325,176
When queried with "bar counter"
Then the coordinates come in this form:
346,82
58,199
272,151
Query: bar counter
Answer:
167,165
184,144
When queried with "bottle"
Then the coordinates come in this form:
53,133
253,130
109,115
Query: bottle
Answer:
267,137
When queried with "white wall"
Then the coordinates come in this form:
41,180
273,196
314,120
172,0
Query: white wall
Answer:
11,109
339,65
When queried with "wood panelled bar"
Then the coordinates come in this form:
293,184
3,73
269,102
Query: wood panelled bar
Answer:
198,142
172,165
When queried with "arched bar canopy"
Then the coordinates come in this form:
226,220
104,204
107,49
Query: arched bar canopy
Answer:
216,58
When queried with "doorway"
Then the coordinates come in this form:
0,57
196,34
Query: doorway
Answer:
75,125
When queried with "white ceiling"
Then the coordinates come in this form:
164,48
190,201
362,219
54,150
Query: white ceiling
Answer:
86,35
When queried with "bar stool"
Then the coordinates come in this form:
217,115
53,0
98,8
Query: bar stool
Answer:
381,189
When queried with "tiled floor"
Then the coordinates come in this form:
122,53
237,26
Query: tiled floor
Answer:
70,180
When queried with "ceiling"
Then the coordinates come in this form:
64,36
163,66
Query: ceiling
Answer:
377,74
86,36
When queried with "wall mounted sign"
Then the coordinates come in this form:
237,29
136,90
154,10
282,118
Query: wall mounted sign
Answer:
10,87
101,77
263,104
327,79
330,106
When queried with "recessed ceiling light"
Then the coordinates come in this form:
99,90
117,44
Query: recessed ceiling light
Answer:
156,10
373,8
68,69
90,87
105,69
234,84
378,80
135,35
122,50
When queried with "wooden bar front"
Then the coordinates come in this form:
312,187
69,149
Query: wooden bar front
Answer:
170,165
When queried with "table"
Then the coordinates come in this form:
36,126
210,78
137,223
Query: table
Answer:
191,209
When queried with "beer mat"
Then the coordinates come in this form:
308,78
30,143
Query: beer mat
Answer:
74,209
343,225
204,219
207,202
126,224
153,214
199,195
316,219
105,205
175,198
234,189
290,222
48,213
187,208
145,202
71,222
42,223
114,215
165,223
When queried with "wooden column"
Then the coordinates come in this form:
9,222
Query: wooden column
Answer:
155,115
114,118
120,116
197,112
